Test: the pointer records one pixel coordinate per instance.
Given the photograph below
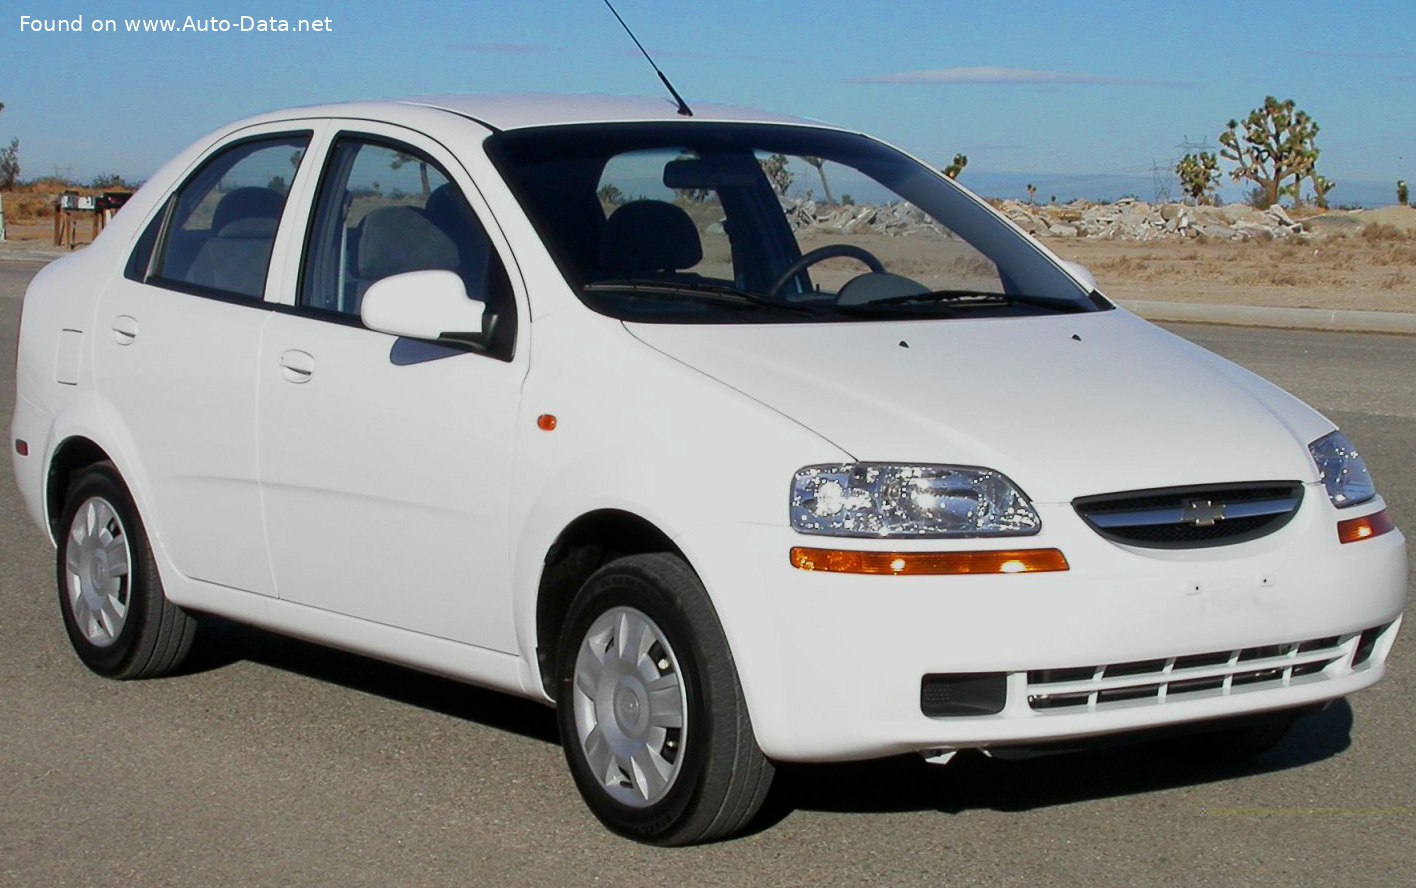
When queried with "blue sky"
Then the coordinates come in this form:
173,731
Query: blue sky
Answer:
1080,96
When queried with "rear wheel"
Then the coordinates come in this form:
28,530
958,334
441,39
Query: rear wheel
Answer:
118,619
652,717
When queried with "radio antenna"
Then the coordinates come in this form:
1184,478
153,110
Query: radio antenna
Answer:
682,105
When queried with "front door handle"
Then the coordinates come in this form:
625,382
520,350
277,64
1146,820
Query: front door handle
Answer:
125,329
297,366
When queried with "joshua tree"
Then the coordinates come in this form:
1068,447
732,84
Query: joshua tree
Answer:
778,173
611,194
1321,186
1403,196
9,162
400,159
1276,142
1032,193
820,165
1199,175
954,169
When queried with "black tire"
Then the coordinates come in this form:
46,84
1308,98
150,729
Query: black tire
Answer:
720,777
1231,743
152,635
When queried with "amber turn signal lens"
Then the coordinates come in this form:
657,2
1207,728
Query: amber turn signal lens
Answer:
929,563
546,422
1364,528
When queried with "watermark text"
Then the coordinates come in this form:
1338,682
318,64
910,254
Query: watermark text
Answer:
241,24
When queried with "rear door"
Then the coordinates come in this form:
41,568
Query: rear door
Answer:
176,349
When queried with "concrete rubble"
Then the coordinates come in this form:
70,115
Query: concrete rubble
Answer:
1126,219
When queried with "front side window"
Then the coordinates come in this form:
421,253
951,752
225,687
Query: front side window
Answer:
386,209
222,221
727,223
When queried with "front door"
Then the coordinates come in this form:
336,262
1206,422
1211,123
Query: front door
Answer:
385,461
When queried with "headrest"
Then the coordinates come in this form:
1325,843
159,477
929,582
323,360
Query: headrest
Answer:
247,203
649,235
393,240
249,229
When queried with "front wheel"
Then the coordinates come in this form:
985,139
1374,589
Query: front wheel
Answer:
118,619
652,716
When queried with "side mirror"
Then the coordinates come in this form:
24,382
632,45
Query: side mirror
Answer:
423,305
1081,274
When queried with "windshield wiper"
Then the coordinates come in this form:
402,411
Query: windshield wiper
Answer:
964,299
717,294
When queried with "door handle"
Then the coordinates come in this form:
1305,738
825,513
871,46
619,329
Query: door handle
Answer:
125,329
297,366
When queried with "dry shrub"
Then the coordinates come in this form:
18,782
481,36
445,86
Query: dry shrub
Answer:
23,206
1270,277
1395,280
1396,254
1380,231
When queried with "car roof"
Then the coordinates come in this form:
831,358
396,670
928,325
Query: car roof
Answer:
504,112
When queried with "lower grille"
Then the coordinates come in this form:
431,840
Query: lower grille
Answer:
1195,676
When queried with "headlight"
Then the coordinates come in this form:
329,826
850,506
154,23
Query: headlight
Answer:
886,500
1343,471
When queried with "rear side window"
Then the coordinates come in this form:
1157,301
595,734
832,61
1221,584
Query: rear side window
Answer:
220,225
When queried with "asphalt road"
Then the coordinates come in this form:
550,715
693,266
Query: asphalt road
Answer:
271,762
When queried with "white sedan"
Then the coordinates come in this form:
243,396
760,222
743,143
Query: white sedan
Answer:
579,399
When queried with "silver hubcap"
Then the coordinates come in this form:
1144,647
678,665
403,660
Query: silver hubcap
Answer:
631,713
96,562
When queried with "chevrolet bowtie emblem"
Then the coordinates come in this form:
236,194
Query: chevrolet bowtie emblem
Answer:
1201,513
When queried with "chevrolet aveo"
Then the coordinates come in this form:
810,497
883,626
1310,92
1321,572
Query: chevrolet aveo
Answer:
578,399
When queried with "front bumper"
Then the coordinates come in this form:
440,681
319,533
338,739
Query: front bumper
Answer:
833,666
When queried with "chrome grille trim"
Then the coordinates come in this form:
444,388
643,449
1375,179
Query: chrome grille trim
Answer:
1190,517
1142,518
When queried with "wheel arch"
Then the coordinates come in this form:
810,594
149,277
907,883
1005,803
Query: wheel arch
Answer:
581,548
72,455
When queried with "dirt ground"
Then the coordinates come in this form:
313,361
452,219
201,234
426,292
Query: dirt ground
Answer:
1374,270
1369,274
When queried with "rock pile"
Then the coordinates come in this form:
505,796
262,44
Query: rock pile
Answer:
1126,219
1131,219
896,219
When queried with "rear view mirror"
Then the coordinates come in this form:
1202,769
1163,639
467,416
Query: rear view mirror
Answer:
423,305
709,173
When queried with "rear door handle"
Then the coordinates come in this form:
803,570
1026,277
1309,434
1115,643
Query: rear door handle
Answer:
297,366
125,329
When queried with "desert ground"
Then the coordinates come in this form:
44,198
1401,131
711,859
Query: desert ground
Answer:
1364,260
1329,272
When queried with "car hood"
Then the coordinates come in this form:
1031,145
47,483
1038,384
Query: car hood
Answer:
1065,405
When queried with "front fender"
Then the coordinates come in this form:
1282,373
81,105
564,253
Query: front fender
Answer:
639,432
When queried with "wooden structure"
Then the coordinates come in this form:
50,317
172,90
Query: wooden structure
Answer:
71,206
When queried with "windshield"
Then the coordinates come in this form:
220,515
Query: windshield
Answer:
731,223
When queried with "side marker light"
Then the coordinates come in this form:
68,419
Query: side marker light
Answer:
1356,529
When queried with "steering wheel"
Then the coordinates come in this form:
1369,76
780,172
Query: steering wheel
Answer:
830,251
